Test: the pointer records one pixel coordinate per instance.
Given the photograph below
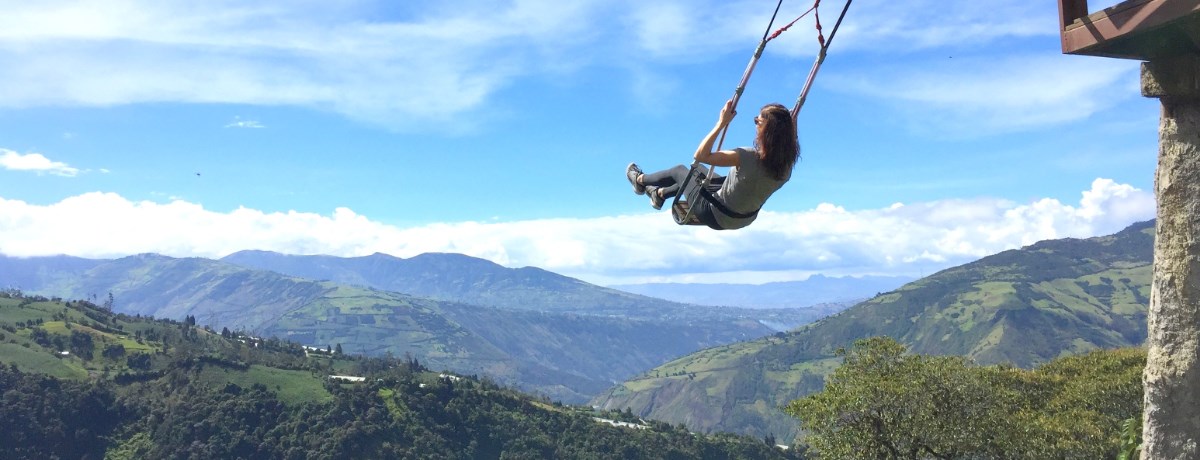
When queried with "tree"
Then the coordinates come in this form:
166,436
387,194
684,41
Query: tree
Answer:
114,351
338,349
885,403
40,337
82,344
138,361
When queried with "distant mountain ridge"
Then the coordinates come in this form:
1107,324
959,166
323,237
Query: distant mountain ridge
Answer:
27,272
1023,306
453,277
817,289
465,279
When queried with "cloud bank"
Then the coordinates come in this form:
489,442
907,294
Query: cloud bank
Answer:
35,162
908,239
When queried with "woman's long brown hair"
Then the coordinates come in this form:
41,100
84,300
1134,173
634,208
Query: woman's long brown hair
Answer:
777,143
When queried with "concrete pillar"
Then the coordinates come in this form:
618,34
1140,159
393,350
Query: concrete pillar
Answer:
1171,425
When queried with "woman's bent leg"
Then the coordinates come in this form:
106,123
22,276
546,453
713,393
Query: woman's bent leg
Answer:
666,177
667,180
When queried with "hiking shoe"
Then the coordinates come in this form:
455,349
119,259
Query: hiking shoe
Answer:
632,172
656,200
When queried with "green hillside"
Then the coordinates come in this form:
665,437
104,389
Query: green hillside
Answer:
567,356
134,387
1024,307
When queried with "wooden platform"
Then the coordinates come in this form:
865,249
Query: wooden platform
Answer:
1134,29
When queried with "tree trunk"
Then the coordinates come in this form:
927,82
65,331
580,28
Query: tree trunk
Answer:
1171,424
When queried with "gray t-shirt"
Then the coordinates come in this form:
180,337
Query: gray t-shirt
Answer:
746,189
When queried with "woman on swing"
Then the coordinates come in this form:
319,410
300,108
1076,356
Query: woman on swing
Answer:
757,171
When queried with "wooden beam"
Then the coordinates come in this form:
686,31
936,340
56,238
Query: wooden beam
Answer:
1091,34
1069,11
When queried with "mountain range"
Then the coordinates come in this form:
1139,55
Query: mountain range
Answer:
571,340
1023,307
569,349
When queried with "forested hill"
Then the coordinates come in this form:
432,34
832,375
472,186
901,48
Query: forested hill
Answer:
457,278
1022,306
82,382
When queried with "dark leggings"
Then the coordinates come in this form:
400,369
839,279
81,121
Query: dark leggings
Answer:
669,181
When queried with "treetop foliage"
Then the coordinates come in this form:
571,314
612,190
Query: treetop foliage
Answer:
884,403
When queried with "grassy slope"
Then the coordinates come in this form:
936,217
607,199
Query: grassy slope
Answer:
28,356
40,362
17,348
292,387
1024,307
377,322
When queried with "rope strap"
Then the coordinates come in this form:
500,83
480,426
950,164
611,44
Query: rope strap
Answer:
798,18
812,74
820,34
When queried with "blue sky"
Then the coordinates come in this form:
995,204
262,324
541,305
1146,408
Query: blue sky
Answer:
937,132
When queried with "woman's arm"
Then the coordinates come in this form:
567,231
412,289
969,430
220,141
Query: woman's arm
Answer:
704,152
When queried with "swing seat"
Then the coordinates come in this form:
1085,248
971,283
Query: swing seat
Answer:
690,191
697,187
679,210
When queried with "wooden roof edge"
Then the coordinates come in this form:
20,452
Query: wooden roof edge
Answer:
1083,33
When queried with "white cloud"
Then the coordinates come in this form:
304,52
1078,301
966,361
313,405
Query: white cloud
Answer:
36,162
238,122
899,239
890,26
972,96
343,57
681,28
